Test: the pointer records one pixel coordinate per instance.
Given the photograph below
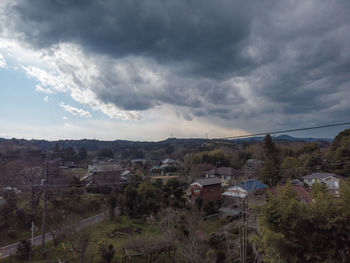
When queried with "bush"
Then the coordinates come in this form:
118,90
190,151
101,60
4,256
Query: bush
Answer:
107,250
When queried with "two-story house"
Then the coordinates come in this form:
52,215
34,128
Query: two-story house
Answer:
209,189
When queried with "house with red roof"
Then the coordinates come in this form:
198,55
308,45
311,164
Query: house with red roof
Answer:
302,193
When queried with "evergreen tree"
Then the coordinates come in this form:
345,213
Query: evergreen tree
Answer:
270,174
268,145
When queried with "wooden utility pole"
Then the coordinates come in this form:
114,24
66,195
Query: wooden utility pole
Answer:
43,221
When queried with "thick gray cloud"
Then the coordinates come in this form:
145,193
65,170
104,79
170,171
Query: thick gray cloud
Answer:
165,30
229,59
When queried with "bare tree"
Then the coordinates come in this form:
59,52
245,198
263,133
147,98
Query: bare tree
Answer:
59,224
169,220
79,242
192,241
31,180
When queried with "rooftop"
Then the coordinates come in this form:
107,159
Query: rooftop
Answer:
322,176
208,181
302,193
251,185
168,161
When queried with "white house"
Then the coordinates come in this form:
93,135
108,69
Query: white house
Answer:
331,180
169,163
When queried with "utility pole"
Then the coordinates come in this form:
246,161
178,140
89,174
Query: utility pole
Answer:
44,183
32,232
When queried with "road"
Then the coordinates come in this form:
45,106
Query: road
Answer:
6,251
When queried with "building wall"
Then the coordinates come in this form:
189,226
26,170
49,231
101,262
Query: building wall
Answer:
211,193
207,193
196,190
106,178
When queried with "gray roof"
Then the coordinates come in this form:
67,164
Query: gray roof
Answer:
320,176
168,161
126,172
208,181
98,168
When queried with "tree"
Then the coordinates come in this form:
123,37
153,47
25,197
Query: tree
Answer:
106,153
169,221
269,174
173,194
291,231
79,241
57,221
111,204
289,168
338,159
268,145
148,198
31,177
107,250
129,200
82,154
23,250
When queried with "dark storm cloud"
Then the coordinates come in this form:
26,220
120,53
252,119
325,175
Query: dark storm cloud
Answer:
294,56
208,33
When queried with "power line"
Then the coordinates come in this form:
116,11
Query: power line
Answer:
283,131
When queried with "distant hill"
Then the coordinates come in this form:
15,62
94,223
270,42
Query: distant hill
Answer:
95,145
286,138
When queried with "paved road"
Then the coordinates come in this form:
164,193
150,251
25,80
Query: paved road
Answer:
11,249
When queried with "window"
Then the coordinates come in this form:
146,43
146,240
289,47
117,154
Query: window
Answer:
196,190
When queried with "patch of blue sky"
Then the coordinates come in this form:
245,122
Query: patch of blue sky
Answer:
19,102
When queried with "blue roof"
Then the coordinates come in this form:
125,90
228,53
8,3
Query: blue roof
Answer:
252,185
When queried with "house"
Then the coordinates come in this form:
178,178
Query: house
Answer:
330,179
126,175
209,189
103,174
199,170
169,163
156,170
252,168
225,173
302,193
243,189
138,161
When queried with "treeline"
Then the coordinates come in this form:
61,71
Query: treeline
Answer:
69,154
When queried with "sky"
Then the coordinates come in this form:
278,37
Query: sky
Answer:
154,69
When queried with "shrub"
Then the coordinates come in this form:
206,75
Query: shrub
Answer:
107,250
